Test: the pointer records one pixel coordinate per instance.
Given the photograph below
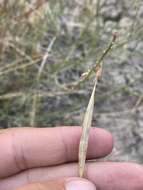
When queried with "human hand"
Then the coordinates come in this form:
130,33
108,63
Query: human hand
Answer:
47,160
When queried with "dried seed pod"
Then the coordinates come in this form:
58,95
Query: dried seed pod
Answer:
85,132
90,108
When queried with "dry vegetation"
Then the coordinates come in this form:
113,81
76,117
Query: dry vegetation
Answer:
45,45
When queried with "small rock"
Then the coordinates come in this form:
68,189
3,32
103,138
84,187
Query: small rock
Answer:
110,26
125,22
111,13
132,45
108,2
141,11
139,47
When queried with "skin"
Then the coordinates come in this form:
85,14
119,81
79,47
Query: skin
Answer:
36,158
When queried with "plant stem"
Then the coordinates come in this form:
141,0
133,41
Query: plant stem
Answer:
85,76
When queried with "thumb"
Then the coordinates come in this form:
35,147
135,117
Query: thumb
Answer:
61,184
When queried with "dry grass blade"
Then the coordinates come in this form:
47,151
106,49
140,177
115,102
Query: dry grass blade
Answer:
36,95
89,112
85,133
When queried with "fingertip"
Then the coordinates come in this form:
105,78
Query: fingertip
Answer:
80,184
100,143
109,141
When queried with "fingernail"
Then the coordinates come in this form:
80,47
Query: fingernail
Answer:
80,185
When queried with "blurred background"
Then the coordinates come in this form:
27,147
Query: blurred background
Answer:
46,45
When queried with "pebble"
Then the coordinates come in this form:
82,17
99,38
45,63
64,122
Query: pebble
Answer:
111,13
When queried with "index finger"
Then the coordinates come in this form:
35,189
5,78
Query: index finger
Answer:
26,148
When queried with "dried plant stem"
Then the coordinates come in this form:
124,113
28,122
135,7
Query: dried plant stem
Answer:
17,66
85,76
32,7
89,111
86,127
36,95
85,133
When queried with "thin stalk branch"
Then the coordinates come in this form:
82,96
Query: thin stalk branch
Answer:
36,95
85,76
87,121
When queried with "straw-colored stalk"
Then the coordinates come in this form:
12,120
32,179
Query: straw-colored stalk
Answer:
86,127
87,121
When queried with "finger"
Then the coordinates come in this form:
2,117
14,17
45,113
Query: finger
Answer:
61,184
106,176
32,147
